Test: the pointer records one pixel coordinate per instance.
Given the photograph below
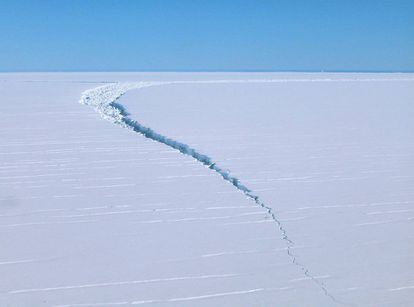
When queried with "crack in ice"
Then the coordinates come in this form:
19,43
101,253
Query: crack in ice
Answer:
104,100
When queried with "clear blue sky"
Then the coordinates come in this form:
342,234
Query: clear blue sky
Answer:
83,35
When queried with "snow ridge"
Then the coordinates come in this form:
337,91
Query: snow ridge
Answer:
104,100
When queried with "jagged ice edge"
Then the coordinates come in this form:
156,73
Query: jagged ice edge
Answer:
103,100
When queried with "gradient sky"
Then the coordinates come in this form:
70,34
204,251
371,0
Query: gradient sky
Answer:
103,35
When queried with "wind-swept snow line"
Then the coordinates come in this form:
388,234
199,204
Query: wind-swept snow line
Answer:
179,299
104,100
206,296
122,283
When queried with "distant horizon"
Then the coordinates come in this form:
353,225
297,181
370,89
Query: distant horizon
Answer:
209,71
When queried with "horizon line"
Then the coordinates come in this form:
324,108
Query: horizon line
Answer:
211,71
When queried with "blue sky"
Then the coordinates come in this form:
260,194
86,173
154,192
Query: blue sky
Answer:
209,35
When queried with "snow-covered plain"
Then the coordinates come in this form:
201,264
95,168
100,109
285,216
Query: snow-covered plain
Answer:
317,209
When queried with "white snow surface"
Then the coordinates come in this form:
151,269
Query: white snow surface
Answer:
225,189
